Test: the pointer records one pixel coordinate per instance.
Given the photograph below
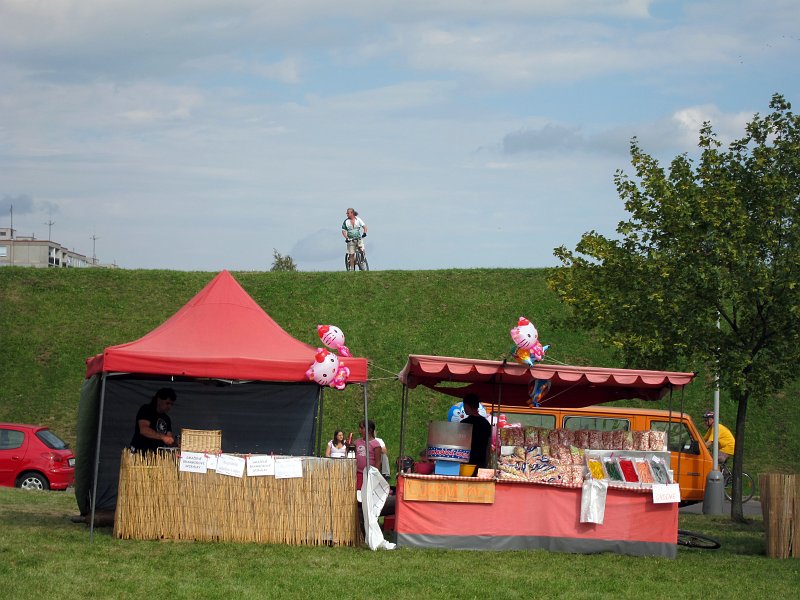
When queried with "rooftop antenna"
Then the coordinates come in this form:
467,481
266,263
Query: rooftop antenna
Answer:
94,238
50,224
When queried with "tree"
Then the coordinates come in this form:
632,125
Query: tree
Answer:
715,241
282,263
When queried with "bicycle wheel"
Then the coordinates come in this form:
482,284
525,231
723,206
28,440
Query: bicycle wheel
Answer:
346,261
362,261
748,487
690,539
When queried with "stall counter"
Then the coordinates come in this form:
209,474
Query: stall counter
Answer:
527,516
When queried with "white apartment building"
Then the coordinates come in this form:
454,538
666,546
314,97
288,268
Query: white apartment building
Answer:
24,251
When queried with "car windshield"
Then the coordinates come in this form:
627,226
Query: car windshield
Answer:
51,440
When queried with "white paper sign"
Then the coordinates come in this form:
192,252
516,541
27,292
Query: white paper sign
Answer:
260,465
288,468
211,462
664,493
227,464
193,462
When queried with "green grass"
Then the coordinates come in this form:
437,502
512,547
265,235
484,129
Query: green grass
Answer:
51,320
44,555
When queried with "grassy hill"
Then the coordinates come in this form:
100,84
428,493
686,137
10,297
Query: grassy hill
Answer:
52,320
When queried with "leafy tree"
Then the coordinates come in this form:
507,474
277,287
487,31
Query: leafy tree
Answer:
716,241
282,263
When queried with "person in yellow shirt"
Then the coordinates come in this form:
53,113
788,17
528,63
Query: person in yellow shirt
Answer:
727,443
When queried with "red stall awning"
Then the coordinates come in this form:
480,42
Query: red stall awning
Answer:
509,382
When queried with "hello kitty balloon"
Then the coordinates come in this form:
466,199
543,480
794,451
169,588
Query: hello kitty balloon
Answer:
324,368
333,338
524,334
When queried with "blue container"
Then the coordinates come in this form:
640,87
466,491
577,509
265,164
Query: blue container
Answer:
446,467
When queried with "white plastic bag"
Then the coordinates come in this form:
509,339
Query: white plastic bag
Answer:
593,501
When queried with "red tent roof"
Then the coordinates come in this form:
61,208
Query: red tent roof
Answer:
220,333
508,383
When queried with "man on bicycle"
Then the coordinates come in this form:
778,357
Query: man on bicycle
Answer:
353,230
727,443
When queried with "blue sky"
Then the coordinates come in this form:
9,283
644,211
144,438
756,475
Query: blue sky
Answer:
201,134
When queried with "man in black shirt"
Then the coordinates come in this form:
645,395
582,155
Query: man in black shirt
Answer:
153,426
481,432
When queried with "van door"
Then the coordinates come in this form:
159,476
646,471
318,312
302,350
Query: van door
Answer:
689,464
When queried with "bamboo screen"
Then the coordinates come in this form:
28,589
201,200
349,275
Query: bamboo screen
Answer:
157,501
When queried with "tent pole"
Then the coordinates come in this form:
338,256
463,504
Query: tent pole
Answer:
366,424
320,403
403,414
97,457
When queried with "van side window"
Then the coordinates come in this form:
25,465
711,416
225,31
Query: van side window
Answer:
680,438
532,420
597,423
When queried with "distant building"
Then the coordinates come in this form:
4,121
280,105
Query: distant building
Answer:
24,251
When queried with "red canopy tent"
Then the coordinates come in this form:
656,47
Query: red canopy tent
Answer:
220,333
218,339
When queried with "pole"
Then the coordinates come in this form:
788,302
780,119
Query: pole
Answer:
715,485
97,457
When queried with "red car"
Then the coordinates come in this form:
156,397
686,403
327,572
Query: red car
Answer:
34,458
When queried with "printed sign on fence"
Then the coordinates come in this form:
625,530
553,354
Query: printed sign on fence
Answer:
227,464
211,462
260,465
193,462
288,468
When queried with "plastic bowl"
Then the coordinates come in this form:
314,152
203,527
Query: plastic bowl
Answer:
424,468
466,470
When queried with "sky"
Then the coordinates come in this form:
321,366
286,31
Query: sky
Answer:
204,134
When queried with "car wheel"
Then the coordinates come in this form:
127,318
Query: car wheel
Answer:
33,481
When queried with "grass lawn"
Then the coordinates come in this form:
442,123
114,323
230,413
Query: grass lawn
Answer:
44,555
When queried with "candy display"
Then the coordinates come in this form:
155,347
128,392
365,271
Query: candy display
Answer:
628,470
643,470
660,474
613,470
596,469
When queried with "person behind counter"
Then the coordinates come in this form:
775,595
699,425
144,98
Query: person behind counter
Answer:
337,447
153,428
481,432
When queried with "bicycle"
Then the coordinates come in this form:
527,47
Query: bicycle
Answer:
360,258
696,540
748,485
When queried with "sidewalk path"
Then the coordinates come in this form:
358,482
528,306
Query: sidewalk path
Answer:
750,509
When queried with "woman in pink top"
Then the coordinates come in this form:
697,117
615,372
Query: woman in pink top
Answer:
375,449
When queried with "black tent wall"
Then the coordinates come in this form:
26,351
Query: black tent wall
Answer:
255,418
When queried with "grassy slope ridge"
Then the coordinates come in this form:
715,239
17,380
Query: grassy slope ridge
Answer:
52,320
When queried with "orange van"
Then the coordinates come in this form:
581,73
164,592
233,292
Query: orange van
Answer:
691,461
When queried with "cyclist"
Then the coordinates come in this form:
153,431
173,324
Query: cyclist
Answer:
353,230
727,442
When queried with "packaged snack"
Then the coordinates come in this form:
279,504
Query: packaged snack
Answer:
641,440
608,440
595,439
627,441
658,440
531,436
564,455
582,438
628,470
577,455
553,437
617,439
643,470
563,437
577,474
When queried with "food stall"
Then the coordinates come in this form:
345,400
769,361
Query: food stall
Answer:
234,370
539,505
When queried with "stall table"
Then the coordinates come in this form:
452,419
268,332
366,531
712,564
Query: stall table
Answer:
466,513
